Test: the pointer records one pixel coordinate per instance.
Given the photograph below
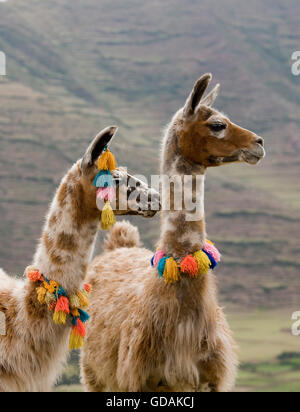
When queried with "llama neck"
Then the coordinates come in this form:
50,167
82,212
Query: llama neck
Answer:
182,231
68,238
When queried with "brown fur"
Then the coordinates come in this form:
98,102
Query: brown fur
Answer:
146,335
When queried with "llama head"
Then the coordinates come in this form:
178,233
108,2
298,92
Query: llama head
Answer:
133,197
207,137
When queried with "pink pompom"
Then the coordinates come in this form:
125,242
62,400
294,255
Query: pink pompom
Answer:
158,255
106,193
213,251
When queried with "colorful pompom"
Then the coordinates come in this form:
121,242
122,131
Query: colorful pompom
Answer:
76,340
103,179
107,161
158,255
63,305
84,316
189,265
60,318
171,272
106,193
41,294
87,287
213,262
203,262
84,302
107,217
35,276
49,298
212,250
161,266
74,301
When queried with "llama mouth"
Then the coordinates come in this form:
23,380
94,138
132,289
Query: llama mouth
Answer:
253,157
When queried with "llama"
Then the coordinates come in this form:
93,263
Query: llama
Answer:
33,348
148,335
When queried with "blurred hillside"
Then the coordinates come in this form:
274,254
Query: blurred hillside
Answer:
76,67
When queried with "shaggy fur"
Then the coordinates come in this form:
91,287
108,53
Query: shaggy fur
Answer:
34,349
145,335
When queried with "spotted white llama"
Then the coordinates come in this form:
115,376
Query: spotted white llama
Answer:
32,347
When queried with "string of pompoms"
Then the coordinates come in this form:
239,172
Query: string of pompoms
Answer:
106,189
50,293
194,265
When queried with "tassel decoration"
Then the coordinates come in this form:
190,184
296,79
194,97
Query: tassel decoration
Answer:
203,262
189,265
212,250
106,193
107,161
84,316
107,217
49,298
103,179
54,296
74,302
34,276
84,302
41,294
161,266
76,340
171,272
156,258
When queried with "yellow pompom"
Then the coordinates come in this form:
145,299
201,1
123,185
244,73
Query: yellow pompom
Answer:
82,299
203,262
76,341
107,217
171,272
74,301
49,298
107,161
60,318
41,294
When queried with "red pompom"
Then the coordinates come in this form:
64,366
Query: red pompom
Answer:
62,305
80,328
34,276
189,265
87,287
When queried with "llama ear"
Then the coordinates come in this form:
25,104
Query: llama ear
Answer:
96,148
197,94
211,97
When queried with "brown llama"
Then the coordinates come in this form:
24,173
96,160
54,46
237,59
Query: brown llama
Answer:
148,335
32,348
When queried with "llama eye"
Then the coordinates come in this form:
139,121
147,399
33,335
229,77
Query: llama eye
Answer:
217,127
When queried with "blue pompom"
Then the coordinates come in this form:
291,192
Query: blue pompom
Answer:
152,261
213,262
161,266
84,316
103,179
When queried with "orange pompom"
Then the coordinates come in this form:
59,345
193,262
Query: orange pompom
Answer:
87,287
189,265
80,328
34,276
62,305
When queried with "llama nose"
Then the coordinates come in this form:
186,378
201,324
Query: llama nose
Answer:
260,141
